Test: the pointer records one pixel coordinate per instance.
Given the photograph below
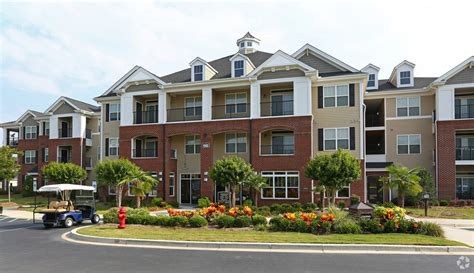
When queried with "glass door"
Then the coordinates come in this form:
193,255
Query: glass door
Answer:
374,190
190,188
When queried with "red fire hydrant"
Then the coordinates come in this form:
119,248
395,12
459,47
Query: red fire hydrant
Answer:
121,217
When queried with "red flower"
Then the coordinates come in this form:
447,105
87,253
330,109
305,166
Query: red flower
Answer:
222,208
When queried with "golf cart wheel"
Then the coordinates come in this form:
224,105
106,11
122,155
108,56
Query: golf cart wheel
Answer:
95,219
48,225
68,222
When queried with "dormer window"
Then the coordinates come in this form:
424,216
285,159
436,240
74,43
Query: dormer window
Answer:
242,44
249,43
198,73
371,82
405,77
238,68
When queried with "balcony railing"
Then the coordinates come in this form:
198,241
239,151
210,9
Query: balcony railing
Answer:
372,120
64,133
276,108
143,117
277,149
137,153
88,133
240,110
13,141
464,111
465,153
64,159
184,114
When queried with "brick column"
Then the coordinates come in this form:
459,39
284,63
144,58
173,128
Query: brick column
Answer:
207,187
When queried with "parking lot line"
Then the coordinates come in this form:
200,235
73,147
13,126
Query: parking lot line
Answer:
13,220
3,218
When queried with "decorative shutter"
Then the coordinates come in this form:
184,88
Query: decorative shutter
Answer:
24,132
107,110
42,155
320,139
107,146
37,131
320,97
36,156
352,138
351,94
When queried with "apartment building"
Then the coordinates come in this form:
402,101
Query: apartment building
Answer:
68,131
277,110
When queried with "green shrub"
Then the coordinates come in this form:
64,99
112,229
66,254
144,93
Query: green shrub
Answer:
287,208
242,221
197,221
278,223
264,210
355,199
175,221
371,225
434,202
259,220
204,202
388,205
225,221
320,227
173,204
248,202
157,201
111,216
275,209
443,203
128,202
347,226
390,227
309,207
260,228
430,229
341,205
163,221
299,226
297,206
28,187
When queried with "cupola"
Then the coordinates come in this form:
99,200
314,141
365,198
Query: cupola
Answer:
248,43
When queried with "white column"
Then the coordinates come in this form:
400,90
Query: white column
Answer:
161,106
206,103
255,100
126,109
302,97
53,127
78,126
445,103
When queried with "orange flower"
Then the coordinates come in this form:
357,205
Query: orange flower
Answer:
396,225
222,208
415,225
290,216
324,217
234,211
331,217
212,204
247,210
212,209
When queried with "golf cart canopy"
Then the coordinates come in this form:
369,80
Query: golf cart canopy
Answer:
65,187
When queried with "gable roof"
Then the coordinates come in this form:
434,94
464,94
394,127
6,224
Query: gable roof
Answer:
319,53
392,75
222,65
76,104
469,62
28,112
198,59
420,82
238,54
280,58
370,66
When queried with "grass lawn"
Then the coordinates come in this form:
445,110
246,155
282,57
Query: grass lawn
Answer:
20,200
443,212
246,235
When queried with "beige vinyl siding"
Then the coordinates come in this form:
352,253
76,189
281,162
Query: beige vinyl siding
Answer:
422,127
337,117
110,129
187,163
281,74
218,97
464,76
208,74
319,64
65,108
219,148
266,91
427,104
142,87
177,101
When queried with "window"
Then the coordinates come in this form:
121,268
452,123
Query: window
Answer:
172,182
408,106
249,43
464,107
408,144
236,103
193,144
371,82
193,106
405,77
282,103
150,147
464,187
336,138
154,189
112,190
30,156
283,143
344,193
281,185
46,128
236,143
242,44
46,155
30,132
114,111
198,73
98,153
335,96
465,147
238,68
113,146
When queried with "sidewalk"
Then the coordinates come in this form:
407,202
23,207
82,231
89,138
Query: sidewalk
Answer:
15,213
459,230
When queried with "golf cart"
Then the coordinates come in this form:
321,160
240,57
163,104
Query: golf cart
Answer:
67,210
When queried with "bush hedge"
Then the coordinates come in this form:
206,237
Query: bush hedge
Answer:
242,221
225,221
259,220
197,221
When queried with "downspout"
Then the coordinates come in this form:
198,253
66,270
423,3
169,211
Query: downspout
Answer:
164,174
364,143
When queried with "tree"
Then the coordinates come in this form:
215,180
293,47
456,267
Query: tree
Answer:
9,166
231,171
142,183
67,173
255,182
426,182
111,172
334,171
406,181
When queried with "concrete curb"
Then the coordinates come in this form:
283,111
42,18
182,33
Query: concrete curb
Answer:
74,236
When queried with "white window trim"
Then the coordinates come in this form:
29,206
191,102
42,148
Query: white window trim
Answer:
286,185
409,153
375,82
235,104
194,149
202,72
46,154
28,157
282,134
194,105
282,92
110,192
32,133
408,106
172,174
154,174
410,78
336,139
236,139
117,112
335,96
110,146
243,68
343,197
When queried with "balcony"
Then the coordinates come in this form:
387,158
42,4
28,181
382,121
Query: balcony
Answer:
276,108
184,114
139,153
464,153
12,141
65,133
277,149
230,111
64,159
374,120
145,117
464,111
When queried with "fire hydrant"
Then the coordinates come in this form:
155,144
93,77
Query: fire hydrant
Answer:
121,217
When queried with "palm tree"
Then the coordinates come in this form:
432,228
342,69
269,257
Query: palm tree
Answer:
141,183
256,182
406,181
110,172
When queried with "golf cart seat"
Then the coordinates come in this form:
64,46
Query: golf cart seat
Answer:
61,206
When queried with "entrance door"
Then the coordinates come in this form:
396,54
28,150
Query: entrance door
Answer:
64,129
190,188
374,190
64,156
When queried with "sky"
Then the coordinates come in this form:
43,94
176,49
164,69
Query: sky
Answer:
80,48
